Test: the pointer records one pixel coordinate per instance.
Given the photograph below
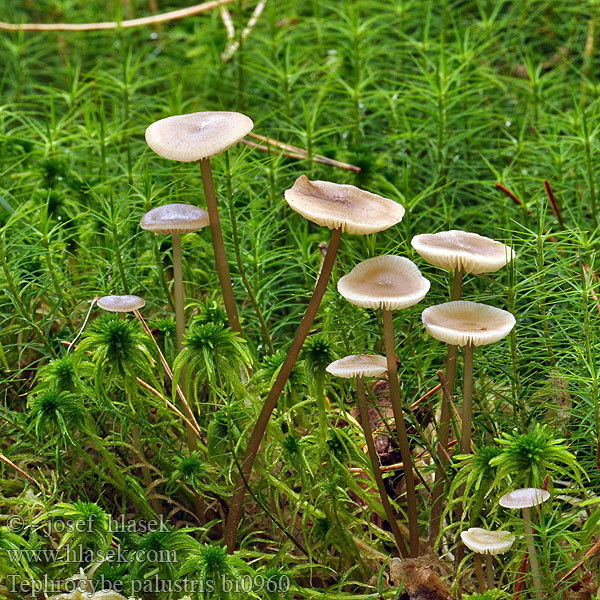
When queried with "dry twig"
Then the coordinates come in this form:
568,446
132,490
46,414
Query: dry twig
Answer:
168,16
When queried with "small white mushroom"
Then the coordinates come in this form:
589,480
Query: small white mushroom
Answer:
191,137
176,219
524,499
467,324
389,282
121,304
358,365
483,541
346,207
462,251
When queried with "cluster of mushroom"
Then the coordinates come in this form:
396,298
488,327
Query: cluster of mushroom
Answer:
385,282
394,282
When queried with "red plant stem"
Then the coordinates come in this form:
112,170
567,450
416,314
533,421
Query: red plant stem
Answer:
31,480
235,509
508,193
553,203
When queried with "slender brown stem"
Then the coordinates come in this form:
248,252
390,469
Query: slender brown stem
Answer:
467,411
437,498
235,509
444,426
489,571
411,498
180,317
467,419
479,572
178,289
450,372
219,247
374,457
533,561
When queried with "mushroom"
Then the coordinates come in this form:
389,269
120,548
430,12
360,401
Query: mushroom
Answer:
460,252
197,137
482,541
390,282
121,304
467,324
358,366
524,499
339,208
176,219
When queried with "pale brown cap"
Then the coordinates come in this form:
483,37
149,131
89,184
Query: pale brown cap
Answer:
121,303
197,135
358,365
461,322
524,498
483,541
469,252
387,281
174,218
344,207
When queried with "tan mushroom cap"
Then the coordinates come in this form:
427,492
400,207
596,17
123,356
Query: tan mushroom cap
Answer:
347,207
470,252
358,365
121,303
461,322
483,541
197,135
524,498
174,218
387,281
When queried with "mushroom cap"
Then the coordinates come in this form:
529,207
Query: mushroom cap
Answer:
483,541
121,303
461,322
387,281
197,135
470,252
358,365
342,206
174,218
524,498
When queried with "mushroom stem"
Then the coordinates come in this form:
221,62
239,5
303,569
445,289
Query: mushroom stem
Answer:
444,425
467,411
178,289
533,561
235,509
489,571
450,372
411,498
180,317
374,457
219,247
479,573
